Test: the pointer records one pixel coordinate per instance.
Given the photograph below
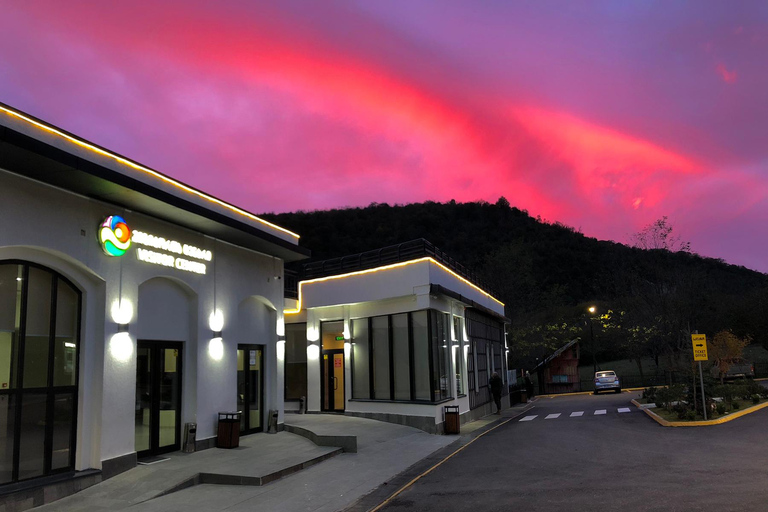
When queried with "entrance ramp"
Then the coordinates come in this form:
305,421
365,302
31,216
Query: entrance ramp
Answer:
259,460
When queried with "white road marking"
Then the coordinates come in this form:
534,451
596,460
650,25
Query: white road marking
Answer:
552,416
600,411
624,409
530,418
577,414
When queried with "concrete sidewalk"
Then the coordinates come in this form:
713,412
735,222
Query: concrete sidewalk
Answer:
280,472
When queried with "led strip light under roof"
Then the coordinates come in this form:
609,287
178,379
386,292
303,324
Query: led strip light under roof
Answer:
388,267
146,170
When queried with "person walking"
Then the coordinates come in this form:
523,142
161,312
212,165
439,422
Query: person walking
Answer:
496,384
528,385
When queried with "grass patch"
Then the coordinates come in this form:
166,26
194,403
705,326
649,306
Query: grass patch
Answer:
672,415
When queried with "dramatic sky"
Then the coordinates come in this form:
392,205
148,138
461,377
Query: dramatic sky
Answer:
601,115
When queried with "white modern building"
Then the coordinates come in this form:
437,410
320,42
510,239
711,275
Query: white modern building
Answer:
130,305
395,334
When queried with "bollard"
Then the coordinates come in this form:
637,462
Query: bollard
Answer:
272,422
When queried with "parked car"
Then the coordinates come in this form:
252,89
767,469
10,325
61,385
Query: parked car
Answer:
738,370
607,381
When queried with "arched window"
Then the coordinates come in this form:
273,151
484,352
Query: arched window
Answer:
39,348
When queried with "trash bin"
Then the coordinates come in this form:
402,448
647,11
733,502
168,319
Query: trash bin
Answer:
451,419
229,430
190,433
523,396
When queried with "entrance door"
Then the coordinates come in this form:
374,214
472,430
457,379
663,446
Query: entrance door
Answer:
158,397
333,380
250,388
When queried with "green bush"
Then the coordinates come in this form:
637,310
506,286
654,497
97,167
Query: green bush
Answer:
725,391
735,406
720,408
690,415
755,399
753,388
650,394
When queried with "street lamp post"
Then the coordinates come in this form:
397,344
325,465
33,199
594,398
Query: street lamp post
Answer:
592,310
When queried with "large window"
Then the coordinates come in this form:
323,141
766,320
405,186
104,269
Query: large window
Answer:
381,358
458,355
39,346
402,357
421,349
295,361
486,340
361,381
441,376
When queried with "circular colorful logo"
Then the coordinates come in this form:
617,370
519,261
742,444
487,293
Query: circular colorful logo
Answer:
115,235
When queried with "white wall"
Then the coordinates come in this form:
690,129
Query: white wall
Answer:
59,230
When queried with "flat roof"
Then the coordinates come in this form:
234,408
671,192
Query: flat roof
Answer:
40,151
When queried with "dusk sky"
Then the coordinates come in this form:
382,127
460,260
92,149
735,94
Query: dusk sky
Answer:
604,116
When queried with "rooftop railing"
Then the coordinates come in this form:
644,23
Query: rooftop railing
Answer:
389,255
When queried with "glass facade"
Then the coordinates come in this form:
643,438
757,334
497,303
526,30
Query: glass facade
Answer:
403,357
39,347
381,358
295,361
401,354
361,382
485,355
458,355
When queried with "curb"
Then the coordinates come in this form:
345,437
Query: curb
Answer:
555,395
719,421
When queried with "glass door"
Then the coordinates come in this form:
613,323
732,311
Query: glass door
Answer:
333,380
158,397
332,366
250,388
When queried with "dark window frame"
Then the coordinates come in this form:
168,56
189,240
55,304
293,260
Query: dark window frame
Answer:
17,392
306,362
431,342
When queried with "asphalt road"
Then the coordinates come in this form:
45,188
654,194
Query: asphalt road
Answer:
607,461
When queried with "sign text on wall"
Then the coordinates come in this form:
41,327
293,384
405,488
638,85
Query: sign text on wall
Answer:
114,238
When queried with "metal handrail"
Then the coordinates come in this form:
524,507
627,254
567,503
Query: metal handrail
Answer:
385,256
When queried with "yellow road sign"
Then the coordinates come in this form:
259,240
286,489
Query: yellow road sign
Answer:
699,347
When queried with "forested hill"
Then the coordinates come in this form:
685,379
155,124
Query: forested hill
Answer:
541,271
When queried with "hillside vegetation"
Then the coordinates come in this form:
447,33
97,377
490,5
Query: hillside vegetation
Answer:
547,274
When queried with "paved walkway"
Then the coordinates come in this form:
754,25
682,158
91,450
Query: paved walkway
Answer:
280,472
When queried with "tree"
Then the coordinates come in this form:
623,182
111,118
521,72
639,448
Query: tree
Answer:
725,349
659,235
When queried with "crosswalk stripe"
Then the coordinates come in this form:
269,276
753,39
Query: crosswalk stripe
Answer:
600,411
552,416
624,409
577,414
530,418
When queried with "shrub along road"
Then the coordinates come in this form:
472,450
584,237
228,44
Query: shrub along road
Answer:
613,460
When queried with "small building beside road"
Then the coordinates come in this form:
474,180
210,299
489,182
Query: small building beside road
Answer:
394,334
559,373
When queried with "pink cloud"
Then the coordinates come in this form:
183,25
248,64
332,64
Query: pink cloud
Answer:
728,77
275,111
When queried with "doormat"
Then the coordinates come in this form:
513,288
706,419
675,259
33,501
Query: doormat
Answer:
151,460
